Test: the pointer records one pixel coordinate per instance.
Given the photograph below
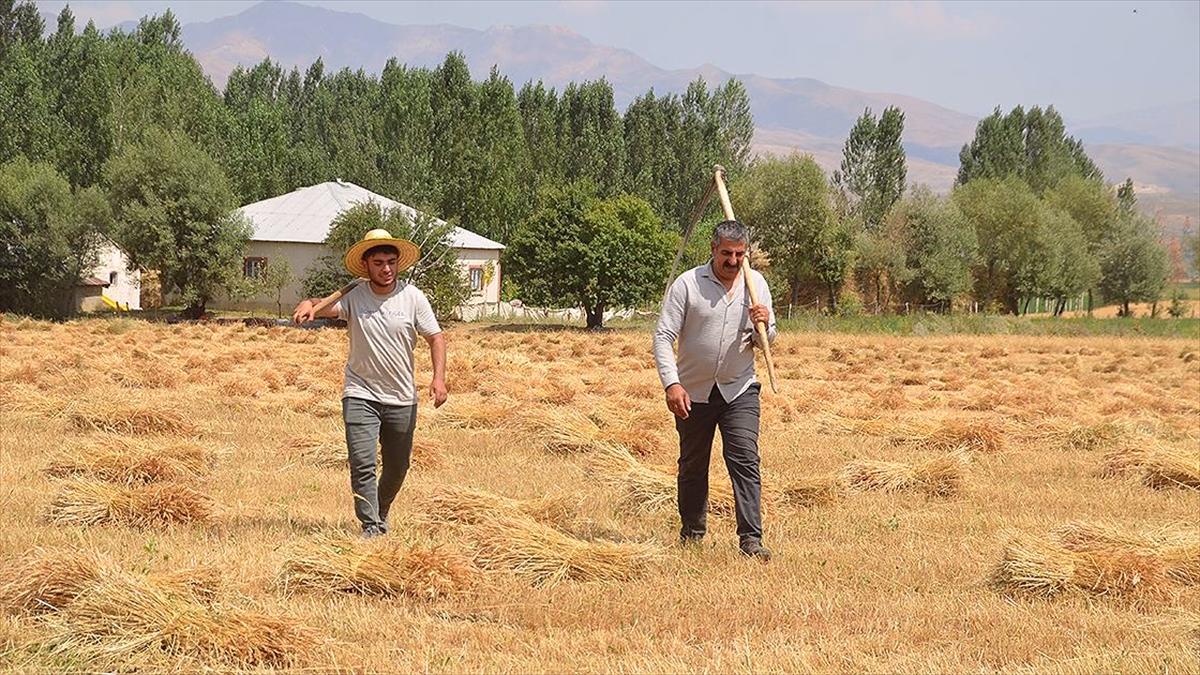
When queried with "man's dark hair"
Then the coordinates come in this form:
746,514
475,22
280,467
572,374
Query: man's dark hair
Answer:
731,230
382,248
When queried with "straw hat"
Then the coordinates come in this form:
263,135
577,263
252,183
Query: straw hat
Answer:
409,252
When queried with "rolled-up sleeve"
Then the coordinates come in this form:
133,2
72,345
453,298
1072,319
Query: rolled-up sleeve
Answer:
670,324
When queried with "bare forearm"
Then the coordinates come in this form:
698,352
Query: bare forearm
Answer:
437,353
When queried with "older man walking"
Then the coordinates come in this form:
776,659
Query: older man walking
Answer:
711,384
379,398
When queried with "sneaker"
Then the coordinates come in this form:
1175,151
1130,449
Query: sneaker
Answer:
755,549
691,541
371,532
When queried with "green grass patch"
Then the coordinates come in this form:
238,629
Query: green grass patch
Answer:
992,324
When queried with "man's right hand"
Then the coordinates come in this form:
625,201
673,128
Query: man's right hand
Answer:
303,312
678,401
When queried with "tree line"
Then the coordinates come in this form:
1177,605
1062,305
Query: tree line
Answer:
130,123
122,134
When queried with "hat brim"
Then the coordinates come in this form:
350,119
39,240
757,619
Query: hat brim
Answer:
409,254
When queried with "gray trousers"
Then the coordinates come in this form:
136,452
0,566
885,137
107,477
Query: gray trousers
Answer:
738,422
370,427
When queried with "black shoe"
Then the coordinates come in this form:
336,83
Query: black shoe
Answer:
755,549
691,540
372,532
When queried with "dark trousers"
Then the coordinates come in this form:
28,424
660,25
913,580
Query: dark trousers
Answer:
738,422
372,427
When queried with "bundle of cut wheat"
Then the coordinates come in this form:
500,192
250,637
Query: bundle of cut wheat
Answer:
649,488
41,581
130,416
121,619
150,505
955,434
386,567
548,556
452,504
939,476
1038,567
811,491
128,460
1171,468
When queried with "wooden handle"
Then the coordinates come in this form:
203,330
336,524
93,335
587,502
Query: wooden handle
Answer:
335,296
760,326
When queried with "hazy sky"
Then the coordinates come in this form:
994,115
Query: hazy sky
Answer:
1088,58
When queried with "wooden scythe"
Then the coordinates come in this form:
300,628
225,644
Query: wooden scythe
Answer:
335,296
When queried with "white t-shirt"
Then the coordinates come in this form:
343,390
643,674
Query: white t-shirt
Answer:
383,330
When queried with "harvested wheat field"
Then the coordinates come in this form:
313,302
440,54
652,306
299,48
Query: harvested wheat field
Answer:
175,497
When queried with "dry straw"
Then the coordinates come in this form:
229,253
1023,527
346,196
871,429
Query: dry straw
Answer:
452,504
130,417
649,488
384,567
547,556
122,619
812,491
42,581
1158,466
563,429
957,434
1099,559
152,505
127,460
939,476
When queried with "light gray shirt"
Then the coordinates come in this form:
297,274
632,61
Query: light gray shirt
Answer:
713,331
383,329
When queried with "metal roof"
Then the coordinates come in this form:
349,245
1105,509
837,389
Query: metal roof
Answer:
304,215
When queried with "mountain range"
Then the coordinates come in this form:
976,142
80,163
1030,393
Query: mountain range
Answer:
1158,147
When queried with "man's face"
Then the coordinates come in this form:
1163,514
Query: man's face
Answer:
727,258
381,268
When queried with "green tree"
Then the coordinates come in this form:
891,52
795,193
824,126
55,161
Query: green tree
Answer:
436,273
274,279
500,196
26,124
1005,214
456,157
873,166
79,81
1133,264
940,248
592,136
406,143
175,214
1126,198
48,239
786,204
578,250
539,117
1032,145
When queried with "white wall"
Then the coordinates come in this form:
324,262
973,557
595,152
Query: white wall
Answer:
124,286
482,259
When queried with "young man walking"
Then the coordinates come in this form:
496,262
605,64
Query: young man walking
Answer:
711,384
379,398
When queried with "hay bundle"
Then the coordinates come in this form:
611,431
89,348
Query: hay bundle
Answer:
129,417
384,567
956,434
1159,467
321,452
1086,438
812,491
452,504
28,399
1170,468
563,429
1037,567
41,581
125,460
1178,548
122,618
649,488
479,413
939,476
547,556
151,505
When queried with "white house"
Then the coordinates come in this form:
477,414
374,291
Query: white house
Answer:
110,284
293,227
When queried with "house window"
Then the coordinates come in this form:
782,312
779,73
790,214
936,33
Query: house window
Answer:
252,268
476,279
112,278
